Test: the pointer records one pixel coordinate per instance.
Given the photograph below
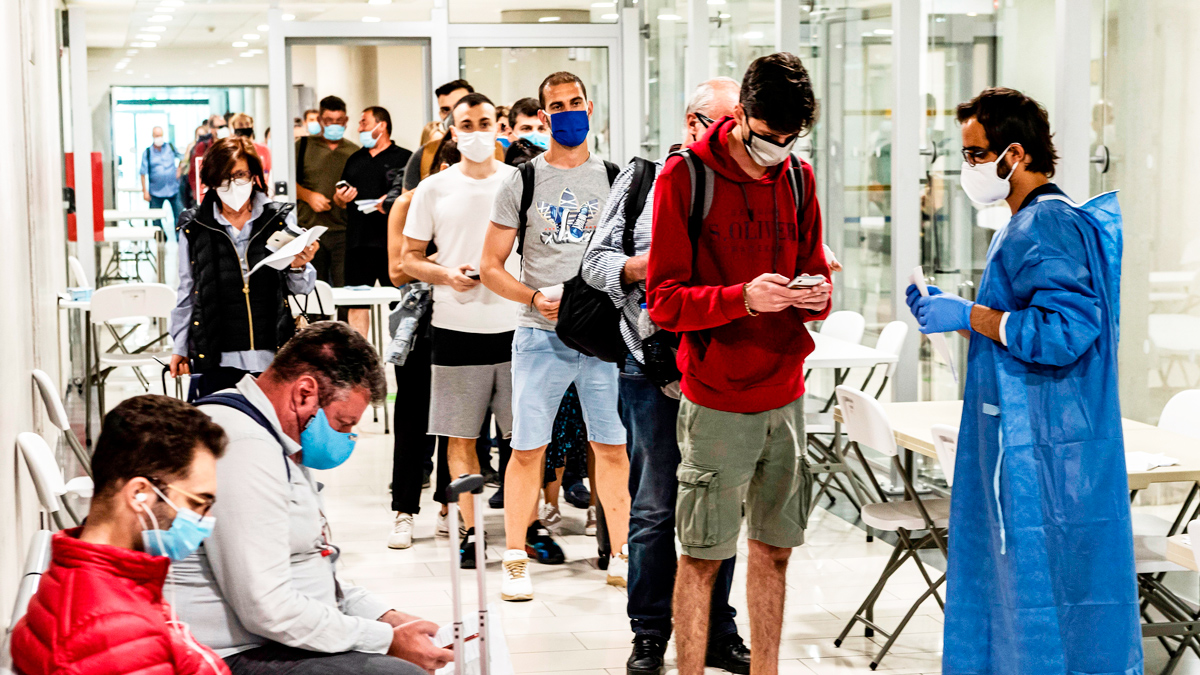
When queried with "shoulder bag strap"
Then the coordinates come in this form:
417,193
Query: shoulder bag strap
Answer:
527,176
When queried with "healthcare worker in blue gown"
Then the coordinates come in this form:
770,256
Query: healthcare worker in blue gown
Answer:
1041,571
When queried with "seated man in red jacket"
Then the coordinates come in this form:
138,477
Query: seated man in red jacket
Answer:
99,608
741,418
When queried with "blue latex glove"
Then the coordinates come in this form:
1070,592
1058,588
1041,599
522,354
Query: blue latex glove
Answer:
942,313
912,295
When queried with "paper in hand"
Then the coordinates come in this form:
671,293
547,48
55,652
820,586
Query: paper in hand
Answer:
938,340
368,205
282,259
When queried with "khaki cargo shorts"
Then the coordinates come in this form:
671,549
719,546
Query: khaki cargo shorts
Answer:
731,458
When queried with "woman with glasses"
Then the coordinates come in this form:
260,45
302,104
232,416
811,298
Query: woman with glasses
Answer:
228,322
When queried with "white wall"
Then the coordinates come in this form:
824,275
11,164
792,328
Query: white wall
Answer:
32,228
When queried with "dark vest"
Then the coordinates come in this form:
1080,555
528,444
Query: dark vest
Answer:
227,314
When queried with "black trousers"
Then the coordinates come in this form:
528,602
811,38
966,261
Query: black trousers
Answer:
413,445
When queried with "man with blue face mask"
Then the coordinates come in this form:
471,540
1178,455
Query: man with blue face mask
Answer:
320,160
1040,476
102,600
263,591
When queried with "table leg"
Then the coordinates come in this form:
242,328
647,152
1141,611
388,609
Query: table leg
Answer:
87,376
161,263
379,333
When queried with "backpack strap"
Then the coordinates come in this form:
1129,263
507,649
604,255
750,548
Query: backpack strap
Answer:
612,170
243,405
527,177
702,179
635,200
802,200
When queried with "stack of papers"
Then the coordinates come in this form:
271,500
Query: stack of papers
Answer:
281,259
1145,461
368,205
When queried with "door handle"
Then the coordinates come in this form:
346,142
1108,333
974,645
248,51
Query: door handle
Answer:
1101,159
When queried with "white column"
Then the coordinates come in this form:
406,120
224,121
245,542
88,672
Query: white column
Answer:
907,110
696,52
280,84
444,64
1072,96
787,26
81,140
630,84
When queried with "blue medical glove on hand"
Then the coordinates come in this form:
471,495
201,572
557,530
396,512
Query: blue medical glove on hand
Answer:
912,295
943,313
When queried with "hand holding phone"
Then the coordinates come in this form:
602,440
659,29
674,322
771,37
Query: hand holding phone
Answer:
806,281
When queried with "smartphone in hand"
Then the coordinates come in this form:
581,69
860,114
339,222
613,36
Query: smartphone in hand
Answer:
806,281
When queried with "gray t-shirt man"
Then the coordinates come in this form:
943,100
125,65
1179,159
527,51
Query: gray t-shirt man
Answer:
566,208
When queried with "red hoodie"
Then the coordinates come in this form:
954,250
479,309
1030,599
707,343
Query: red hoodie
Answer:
732,361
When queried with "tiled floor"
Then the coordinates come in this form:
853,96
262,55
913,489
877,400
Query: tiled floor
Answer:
576,623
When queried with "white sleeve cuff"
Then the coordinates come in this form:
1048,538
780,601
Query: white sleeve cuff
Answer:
1003,329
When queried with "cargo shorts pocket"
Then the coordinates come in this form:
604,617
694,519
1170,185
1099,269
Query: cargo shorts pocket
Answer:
696,514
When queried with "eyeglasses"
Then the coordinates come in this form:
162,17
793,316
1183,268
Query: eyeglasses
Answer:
974,154
704,119
201,505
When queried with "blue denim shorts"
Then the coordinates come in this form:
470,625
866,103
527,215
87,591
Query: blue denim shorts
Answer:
542,369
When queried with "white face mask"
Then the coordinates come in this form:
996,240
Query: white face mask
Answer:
478,146
982,184
223,132
235,193
764,152
158,141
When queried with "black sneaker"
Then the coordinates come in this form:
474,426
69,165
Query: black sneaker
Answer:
425,479
729,654
578,496
540,547
647,656
491,476
496,501
466,550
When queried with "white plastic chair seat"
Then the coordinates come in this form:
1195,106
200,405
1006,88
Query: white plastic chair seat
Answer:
1150,555
892,516
119,360
81,487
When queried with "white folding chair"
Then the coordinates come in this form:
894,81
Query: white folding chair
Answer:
58,417
124,301
867,424
845,325
36,562
945,441
891,341
48,480
78,276
317,305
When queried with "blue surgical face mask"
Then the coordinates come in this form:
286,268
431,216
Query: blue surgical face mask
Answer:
366,140
538,138
569,127
324,447
314,128
504,142
334,132
185,535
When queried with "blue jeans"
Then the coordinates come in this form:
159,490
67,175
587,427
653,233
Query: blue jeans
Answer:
175,201
649,416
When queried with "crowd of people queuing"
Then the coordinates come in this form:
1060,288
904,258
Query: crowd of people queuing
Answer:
496,210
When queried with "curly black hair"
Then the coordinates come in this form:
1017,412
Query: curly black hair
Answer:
777,91
1008,116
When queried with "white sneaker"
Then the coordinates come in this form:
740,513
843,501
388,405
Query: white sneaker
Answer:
516,586
442,529
590,528
401,536
618,568
550,516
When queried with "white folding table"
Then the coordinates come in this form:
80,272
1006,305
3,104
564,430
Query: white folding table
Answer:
132,233
375,298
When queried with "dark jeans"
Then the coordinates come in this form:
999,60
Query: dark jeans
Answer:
413,446
212,381
175,201
276,659
649,417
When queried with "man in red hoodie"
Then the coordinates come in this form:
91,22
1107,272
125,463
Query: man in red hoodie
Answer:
99,609
741,419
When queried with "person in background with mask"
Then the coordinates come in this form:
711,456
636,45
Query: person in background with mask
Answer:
525,123
423,162
371,173
472,326
312,122
101,602
160,166
650,417
264,590
742,348
320,161
217,129
570,187
243,125
1040,476
226,322
503,130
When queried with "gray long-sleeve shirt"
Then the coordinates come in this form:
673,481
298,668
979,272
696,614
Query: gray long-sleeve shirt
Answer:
300,283
267,572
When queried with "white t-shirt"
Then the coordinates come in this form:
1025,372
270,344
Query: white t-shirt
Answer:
453,211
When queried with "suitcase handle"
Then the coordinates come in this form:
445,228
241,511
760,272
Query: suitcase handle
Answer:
468,484
472,484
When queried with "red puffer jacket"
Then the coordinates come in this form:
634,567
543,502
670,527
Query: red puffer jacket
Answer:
99,610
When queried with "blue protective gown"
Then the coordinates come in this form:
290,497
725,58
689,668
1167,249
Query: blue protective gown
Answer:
1042,581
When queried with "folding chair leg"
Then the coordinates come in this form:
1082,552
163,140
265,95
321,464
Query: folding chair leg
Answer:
80,453
904,622
894,561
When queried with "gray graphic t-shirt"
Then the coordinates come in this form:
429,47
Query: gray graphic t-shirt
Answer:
566,208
